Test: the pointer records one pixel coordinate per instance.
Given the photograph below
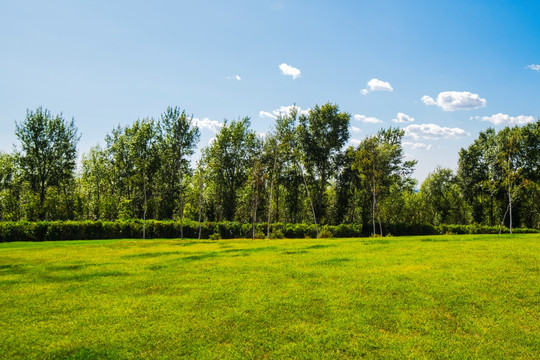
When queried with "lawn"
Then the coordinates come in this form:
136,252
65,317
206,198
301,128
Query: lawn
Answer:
470,296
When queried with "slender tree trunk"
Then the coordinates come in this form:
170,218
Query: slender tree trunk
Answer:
510,207
373,211
144,212
200,202
271,193
310,201
181,197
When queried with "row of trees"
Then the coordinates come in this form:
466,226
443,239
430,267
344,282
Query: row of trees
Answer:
300,172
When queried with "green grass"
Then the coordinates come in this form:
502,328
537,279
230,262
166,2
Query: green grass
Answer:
461,297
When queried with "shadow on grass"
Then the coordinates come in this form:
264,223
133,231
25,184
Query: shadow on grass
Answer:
156,254
84,353
333,261
82,276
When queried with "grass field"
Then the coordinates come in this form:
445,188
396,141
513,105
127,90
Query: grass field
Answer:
461,297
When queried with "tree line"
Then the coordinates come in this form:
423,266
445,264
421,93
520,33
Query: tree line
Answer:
300,172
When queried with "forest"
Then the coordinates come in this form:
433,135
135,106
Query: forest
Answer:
300,172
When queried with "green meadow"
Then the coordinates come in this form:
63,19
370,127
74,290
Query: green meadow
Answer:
455,297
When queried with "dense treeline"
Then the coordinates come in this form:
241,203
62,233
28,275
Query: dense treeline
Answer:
300,172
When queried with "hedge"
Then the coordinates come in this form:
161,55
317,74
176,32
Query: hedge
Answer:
88,230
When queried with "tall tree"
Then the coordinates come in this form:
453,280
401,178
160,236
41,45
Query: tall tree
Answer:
380,162
229,159
180,137
48,150
322,134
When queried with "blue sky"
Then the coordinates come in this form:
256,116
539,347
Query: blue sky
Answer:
455,67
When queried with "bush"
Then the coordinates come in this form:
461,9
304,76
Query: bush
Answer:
88,230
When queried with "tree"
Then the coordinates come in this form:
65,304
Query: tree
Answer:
229,159
380,162
48,150
180,136
322,134
442,198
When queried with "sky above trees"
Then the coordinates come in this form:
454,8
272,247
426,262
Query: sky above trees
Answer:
442,71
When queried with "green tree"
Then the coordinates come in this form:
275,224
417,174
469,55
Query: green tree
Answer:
48,151
380,163
322,135
442,198
180,137
229,159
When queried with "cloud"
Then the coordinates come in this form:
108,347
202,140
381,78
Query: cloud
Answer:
534,67
264,114
403,118
433,131
417,145
289,70
206,123
456,100
235,77
377,85
282,110
365,119
355,129
355,141
503,119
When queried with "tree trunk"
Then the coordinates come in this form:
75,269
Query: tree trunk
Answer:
144,213
310,201
271,193
510,207
200,202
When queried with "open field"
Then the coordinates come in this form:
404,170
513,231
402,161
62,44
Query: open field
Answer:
468,296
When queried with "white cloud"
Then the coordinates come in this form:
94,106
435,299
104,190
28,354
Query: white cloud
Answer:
366,119
377,85
355,142
534,67
433,131
211,140
206,123
282,110
403,118
289,70
504,119
417,145
355,129
264,114
235,77
456,100
261,134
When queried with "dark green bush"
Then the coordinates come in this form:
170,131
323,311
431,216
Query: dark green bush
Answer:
122,229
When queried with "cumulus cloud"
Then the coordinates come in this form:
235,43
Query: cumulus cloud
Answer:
403,118
534,67
282,110
456,100
355,129
417,145
377,85
289,70
355,142
504,119
264,114
433,131
206,123
366,119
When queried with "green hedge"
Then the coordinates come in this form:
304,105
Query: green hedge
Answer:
88,230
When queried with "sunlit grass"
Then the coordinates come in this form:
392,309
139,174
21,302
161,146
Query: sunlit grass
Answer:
470,296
